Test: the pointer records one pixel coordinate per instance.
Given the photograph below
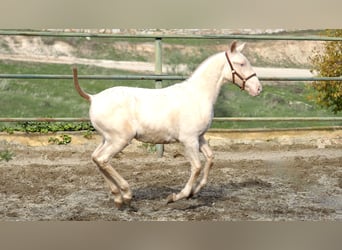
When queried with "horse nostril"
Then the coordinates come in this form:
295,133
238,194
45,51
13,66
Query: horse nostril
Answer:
259,89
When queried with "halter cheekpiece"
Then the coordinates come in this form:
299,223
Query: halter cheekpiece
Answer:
234,72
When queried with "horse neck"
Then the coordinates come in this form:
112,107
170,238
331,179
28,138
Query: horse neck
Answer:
208,78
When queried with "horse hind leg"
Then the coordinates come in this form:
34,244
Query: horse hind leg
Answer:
113,187
118,185
118,200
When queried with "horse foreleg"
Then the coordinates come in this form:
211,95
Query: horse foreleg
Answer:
209,156
192,154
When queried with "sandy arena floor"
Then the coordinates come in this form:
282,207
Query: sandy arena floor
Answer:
269,178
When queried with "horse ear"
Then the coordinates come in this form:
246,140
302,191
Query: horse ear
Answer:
240,47
233,46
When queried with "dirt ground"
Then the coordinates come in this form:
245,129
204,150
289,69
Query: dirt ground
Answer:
269,178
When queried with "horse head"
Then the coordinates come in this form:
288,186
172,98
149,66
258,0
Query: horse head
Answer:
242,73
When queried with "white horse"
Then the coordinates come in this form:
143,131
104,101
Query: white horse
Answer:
179,113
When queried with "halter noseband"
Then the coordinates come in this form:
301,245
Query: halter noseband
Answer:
234,72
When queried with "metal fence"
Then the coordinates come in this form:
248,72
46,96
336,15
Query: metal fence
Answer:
158,77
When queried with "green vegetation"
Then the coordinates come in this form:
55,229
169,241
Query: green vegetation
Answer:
278,100
150,148
329,94
51,98
62,140
46,127
6,155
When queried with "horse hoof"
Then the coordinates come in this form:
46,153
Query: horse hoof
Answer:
191,195
171,198
118,205
127,202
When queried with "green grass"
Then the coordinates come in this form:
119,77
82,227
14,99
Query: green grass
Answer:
51,98
6,155
57,98
282,100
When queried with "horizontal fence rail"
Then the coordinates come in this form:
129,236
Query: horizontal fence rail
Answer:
152,77
217,119
169,36
43,119
278,119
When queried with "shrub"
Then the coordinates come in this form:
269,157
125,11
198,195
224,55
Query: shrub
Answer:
329,64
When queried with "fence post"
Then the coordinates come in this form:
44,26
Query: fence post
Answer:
158,83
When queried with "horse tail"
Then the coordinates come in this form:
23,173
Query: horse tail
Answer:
78,87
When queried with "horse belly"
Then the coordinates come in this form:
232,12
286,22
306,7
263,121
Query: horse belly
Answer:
156,128
162,136
157,122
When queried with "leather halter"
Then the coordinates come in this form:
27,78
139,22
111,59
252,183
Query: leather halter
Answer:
234,72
